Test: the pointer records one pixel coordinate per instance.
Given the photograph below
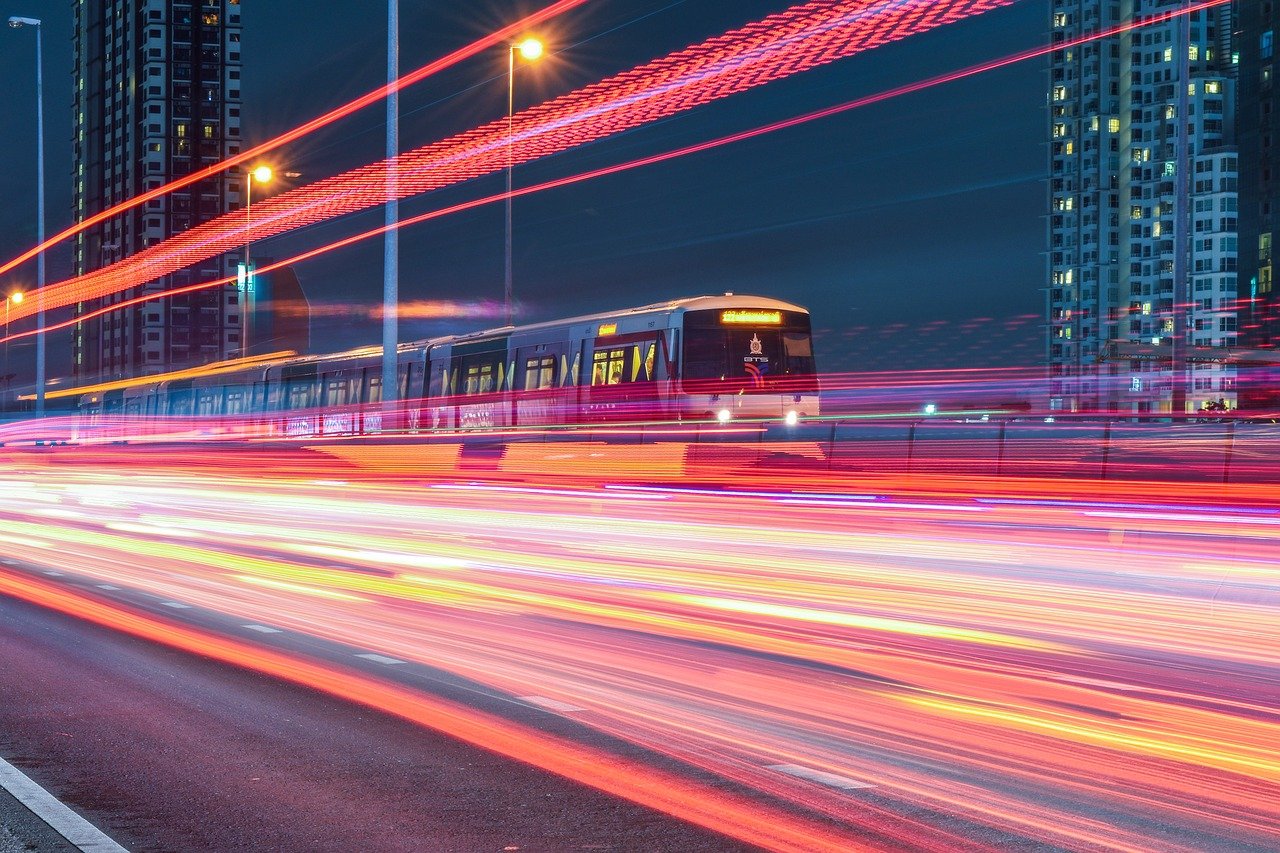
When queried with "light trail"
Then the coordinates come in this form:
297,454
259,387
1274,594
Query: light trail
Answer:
1012,672
506,34
632,164
773,48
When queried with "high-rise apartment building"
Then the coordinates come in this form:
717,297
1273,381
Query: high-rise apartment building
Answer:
1085,147
157,96
1259,129
1143,237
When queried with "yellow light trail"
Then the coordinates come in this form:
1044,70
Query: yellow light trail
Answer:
1007,670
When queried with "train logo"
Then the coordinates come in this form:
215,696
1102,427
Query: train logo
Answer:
756,372
757,347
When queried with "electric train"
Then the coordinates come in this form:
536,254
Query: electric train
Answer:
718,358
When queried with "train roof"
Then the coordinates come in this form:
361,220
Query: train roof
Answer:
691,303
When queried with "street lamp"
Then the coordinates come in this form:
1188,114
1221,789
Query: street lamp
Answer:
530,50
14,298
391,219
263,175
18,23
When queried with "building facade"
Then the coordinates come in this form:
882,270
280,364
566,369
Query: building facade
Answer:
157,96
1144,195
1259,137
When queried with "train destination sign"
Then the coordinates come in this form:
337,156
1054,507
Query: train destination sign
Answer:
739,316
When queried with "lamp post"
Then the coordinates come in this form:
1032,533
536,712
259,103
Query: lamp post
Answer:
18,23
263,175
391,211
14,298
530,49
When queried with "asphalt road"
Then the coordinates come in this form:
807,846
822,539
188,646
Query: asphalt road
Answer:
167,751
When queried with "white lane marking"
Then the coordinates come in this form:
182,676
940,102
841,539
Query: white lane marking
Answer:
1184,516
71,826
262,629
881,505
107,586
8,562
551,704
51,573
831,780
178,605
382,659
1096,682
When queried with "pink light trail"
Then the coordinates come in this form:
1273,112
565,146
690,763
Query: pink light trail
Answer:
784,124
778,46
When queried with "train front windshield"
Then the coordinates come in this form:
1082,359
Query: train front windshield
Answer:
751,349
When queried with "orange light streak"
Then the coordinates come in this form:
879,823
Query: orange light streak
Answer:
775,47
442,310
479,46
700,804
186,373
1006,661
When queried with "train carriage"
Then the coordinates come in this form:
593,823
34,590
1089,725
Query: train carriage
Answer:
717,358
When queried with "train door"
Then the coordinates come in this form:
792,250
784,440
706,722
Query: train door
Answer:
620,378
538,384
181,399
480,370
440,389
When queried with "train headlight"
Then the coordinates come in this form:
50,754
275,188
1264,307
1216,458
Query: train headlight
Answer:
792,418
724,416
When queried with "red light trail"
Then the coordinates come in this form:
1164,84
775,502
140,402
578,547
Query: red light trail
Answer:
644,161
933,670
505,34
778,46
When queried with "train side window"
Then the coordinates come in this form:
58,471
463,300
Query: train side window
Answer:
273,396
608,366
180,402
302,393
571,373
642,356
338,394
479,379
209,401
540,372
375,389
404,379
798,348
235,401
439,381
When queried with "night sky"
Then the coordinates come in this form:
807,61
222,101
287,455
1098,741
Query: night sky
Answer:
912,229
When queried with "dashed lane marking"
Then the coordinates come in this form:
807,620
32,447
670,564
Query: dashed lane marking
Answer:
831,780
107,586
382,659
83,835
177,605
262,629
551,704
